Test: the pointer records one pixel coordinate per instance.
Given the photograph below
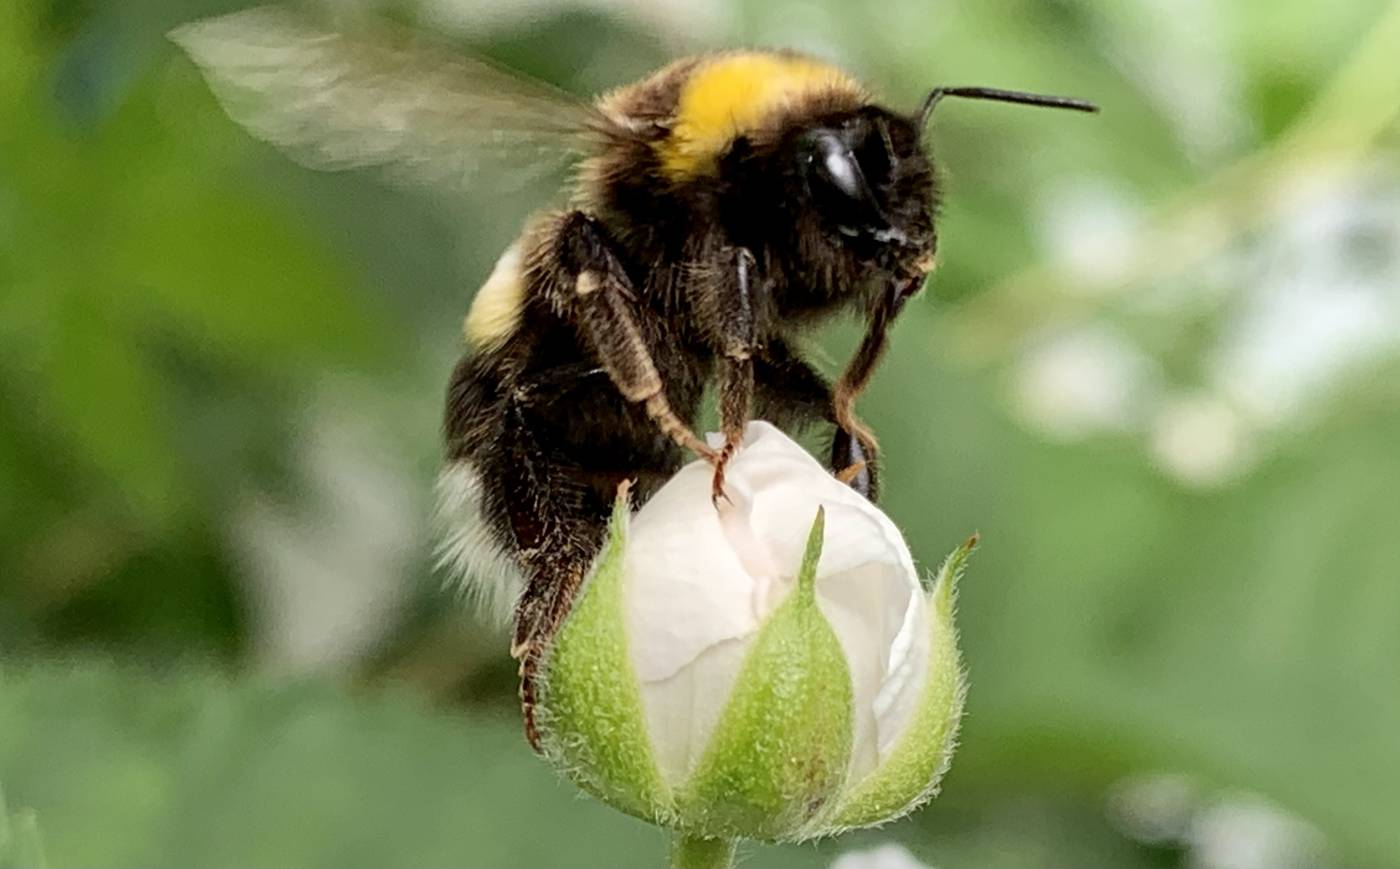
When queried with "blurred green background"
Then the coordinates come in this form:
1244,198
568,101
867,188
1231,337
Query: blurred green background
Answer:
1157,369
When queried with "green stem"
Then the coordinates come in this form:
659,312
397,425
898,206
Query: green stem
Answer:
697,852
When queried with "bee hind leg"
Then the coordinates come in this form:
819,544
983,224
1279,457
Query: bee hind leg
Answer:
548,595
558,512
556,570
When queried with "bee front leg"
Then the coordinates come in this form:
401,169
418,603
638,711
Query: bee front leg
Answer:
599,293
734,314
791,393
854,448
855,457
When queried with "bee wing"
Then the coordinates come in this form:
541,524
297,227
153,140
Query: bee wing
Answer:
338,100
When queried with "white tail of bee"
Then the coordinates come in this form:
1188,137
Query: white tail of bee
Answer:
467,551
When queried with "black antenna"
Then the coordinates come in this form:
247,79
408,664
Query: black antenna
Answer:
979,93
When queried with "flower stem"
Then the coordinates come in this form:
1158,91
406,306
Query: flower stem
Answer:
697,852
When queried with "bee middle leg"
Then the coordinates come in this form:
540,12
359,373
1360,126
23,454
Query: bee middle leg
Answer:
790,393
597,290
732,309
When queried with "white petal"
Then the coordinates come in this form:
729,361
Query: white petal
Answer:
868,604
685,586
684,710
867,585
700,582
904,676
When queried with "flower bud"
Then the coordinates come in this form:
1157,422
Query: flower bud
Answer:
769,667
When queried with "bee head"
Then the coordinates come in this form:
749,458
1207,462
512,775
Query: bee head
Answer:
868,174
867,177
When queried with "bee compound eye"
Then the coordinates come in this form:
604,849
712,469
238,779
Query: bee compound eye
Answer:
840,169
832,161
839,187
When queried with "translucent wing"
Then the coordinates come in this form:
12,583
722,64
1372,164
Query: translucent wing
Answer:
339,100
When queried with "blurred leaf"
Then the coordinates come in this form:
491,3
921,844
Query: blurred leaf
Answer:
134,235
190,769
20,845
184,770
105,396
1247,636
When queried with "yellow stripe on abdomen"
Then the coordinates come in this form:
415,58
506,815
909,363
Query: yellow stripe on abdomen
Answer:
495,311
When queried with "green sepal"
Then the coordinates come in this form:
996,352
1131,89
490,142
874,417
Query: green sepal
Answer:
777,758
590,707
909,776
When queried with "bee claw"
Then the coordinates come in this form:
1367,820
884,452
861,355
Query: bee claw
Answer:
721,460
717,492
848,474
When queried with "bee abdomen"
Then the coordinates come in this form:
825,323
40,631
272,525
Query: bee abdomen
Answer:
469,549
496,309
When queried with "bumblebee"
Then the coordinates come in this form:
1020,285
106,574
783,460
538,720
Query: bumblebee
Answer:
719,206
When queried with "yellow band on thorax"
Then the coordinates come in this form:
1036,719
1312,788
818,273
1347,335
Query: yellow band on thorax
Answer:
734,94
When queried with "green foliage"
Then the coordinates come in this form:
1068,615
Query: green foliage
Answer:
191,770
20,845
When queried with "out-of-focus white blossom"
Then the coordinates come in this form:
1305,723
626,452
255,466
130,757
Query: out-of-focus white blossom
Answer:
891,855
